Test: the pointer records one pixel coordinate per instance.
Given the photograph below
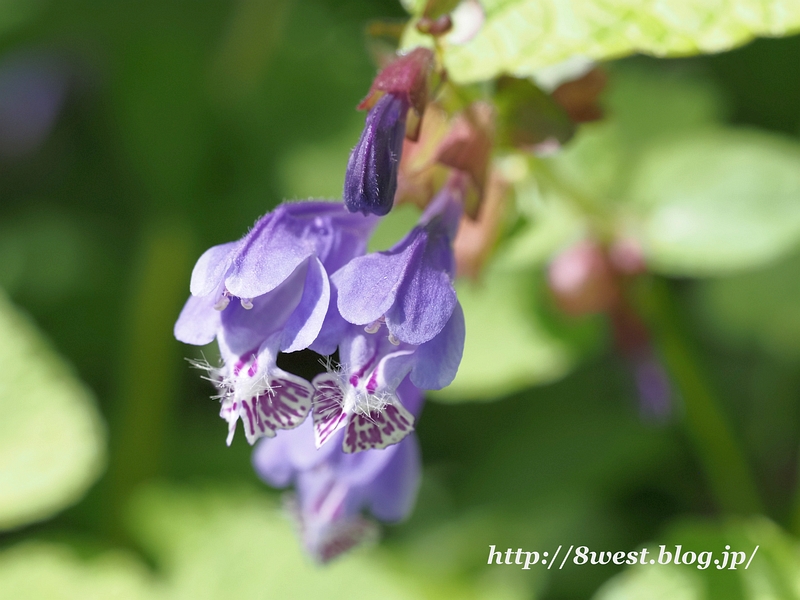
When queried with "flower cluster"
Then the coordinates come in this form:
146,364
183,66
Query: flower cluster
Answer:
301,278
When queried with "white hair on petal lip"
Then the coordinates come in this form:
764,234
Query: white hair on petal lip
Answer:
356,400
231,386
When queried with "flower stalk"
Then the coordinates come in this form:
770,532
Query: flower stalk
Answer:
720,454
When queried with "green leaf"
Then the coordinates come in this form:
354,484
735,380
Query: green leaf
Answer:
520,37
41,571
52,441
238,544
507,348
774,571
600,161
718,202
757,308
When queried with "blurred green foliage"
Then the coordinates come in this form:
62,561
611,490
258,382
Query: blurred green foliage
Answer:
182,123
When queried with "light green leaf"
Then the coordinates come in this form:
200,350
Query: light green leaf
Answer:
506,347
758,308
220,545
600,161
717,202
552,225
773,572
40,571
521,36
52,441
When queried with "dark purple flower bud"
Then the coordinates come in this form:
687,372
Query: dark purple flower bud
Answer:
370,181
399,90
333,488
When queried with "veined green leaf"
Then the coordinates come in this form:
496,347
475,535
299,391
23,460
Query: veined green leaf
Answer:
521,36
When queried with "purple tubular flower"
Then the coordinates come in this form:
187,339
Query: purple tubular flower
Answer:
370,180
279,273
409,287
334,488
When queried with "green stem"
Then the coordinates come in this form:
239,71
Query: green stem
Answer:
722,458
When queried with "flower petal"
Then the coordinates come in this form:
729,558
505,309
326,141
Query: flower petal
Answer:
305,322
393,369
392,494
288,403
425,303
243,329
328,407
368,285
210,269
377,429
437,360
266,257
271,459
333,329
198,322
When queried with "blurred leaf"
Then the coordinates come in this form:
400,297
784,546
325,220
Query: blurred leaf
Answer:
39,571
52,441
773,573
600,161
759,307
521,36
528,116
220,545
506,348
551,224
717,202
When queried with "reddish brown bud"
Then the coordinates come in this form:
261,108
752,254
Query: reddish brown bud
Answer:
583,281
407,78
579,98
435,27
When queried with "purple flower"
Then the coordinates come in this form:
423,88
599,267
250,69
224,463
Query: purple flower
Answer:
279,274
370,180
360,396
410,287
334,489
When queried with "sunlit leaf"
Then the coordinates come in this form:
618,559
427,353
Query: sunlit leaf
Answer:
521,36
717,202
39,571
52,442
